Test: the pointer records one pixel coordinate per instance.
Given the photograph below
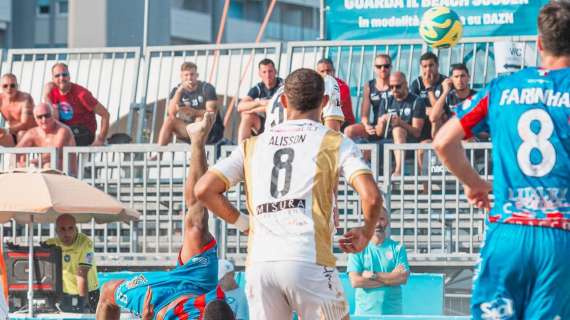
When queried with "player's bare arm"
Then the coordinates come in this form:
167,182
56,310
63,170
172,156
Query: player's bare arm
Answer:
210,191
448,147
356,239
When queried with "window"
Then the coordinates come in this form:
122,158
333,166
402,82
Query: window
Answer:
196,5
43,7
63,7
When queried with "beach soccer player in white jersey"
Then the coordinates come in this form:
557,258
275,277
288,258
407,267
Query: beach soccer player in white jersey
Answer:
290,173
331,116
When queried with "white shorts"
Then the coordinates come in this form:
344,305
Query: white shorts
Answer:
276,289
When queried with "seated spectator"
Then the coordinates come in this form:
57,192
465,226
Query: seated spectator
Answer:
253,105
455,90
16,108
235,296
326,67
377,273
76,107
376,91
48,133
402,117
79,276
189,101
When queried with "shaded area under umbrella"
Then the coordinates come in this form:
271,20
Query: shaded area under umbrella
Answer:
39,196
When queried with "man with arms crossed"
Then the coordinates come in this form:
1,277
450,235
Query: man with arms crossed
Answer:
524,270
185,291
290,173
16,107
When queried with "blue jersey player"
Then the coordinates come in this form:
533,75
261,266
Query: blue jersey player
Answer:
190,290
524,272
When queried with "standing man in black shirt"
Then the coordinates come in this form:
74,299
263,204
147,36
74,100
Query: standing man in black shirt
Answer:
252,106
402,117
189,101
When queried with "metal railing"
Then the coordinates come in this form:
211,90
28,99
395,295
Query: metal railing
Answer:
109,73
162,68
428,210
151,180
354,59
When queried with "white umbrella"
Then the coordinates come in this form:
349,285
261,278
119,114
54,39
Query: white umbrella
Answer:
33,195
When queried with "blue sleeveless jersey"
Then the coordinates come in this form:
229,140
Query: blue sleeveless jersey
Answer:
528,115
199,276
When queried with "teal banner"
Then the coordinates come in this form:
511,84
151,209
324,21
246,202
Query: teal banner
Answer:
400,19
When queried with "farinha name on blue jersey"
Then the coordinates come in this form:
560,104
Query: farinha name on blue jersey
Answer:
549,98
528,115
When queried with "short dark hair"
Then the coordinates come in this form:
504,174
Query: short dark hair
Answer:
187,66
554,28
304,89
266,62
326,61
458,66
429,56
218,310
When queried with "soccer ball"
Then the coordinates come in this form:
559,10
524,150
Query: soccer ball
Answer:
441,27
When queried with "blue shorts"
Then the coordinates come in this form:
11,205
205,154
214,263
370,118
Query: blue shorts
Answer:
524,273
198,276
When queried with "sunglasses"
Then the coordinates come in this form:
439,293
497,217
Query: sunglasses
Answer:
63,74
9,85
396,86
44,116
385,66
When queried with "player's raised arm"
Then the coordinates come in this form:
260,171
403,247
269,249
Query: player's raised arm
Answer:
211,187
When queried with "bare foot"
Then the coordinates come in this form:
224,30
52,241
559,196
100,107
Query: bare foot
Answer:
199,130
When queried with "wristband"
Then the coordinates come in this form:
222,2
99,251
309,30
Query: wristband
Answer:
242,222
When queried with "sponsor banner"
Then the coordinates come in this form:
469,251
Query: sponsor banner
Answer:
400,19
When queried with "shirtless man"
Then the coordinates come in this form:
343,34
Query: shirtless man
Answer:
16,107
48,133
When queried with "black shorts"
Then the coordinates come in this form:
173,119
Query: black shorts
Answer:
82,135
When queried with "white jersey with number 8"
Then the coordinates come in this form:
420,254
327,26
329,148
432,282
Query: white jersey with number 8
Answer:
290,174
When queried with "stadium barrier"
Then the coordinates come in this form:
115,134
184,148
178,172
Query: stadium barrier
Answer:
354,59
436,226
428,209
231,63
109,73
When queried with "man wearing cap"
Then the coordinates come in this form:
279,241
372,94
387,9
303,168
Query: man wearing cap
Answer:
235,296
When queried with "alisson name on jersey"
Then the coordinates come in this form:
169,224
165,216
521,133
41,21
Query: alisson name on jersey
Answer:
535,95
283,141
280,206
